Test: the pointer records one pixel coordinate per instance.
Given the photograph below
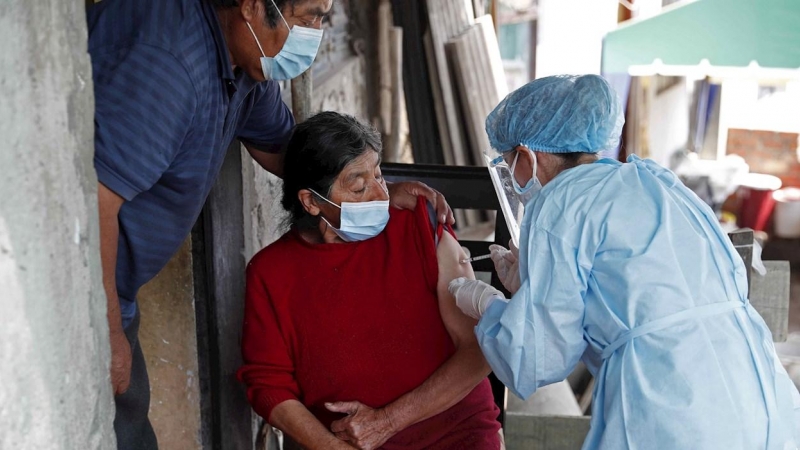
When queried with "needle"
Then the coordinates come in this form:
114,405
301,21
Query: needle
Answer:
476,258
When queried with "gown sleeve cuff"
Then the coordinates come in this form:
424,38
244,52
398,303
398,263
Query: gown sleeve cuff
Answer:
492,315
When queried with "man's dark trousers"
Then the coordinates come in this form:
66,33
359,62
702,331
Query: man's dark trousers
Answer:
131,424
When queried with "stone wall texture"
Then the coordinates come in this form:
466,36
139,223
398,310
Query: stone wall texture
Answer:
769,152
54,385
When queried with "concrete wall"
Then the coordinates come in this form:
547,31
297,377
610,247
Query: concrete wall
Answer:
168,335
55,391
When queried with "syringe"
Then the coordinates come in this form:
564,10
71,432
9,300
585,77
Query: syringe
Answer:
476,258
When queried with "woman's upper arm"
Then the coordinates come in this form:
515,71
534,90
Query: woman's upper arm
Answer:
449,255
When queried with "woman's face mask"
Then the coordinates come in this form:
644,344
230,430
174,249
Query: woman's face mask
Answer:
359,221
295,57
524,194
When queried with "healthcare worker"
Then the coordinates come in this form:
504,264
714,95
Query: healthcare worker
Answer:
624,267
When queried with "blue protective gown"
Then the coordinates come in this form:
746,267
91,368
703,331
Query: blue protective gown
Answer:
623,266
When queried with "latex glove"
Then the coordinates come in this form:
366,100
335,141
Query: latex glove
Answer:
473,296
506,264
364,427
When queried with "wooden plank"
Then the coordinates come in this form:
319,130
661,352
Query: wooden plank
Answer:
447,19
478,71
218,244
523,432
301,96
423,125
478,7
438,106
769,295
396,115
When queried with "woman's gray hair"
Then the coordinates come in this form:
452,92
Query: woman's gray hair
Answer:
319,149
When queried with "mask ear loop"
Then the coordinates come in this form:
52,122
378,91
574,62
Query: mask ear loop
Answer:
281,14
256,38
514,164
327,224
535,163
324,198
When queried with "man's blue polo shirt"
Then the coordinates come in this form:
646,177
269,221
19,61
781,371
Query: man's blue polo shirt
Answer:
168,104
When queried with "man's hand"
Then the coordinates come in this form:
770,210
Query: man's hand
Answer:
108,205
404,196
120,362
364,427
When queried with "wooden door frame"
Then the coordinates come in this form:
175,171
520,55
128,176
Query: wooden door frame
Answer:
219,283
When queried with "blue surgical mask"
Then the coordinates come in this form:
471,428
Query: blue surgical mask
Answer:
359,221
524,194
295,57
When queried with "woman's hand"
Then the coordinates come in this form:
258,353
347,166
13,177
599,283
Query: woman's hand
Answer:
364,427
404,195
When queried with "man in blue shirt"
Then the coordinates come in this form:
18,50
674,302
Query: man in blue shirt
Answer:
175,83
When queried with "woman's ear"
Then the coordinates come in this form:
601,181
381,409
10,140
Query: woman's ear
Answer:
524,168
525,156
252,10
309,201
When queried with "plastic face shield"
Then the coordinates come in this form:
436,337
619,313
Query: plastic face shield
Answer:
510,205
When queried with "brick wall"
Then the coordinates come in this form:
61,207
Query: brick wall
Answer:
769,152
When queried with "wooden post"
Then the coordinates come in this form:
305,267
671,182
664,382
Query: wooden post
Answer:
384,66
301,96
395,117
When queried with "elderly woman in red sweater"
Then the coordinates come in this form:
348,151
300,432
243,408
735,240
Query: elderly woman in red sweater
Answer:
351,338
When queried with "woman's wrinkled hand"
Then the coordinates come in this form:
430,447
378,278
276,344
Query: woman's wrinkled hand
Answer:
364,427
404,195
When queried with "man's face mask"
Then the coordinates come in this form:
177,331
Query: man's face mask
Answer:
359,221
295,57
531,187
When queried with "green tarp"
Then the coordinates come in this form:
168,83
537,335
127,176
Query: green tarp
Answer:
725,32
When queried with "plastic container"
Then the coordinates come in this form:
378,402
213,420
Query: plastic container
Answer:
787,212
755,192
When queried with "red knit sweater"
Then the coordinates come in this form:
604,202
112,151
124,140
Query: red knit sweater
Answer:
356,321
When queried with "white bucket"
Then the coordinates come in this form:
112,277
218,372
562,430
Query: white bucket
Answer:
787,212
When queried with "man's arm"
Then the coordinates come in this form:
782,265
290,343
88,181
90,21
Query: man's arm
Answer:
369,428
108,205
271,162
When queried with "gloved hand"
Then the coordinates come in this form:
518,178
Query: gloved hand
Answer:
473,296
506,263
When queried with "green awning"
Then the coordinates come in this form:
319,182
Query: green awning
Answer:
727,33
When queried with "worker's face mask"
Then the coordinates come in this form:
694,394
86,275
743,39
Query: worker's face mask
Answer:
295,57
531,187
359,221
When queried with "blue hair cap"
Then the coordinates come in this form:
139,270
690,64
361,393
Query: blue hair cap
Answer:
559,114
